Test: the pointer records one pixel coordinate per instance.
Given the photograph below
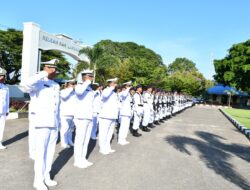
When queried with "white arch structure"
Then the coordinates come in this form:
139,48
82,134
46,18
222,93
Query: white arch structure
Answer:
34,40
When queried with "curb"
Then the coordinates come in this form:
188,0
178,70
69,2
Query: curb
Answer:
239,126
17,115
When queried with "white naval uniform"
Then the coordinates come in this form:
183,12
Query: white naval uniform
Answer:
138,110
125,116
67,110
156,111
83,121
150,100
96,111
146,108
107,118
32,134
4,107
46,122
160,107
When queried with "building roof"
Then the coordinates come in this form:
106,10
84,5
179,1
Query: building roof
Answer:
220,89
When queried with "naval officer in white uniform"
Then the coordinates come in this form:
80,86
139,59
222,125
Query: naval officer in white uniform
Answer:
83,118
67,110
97,107
108,116
46,121
138,110
4,104
125,113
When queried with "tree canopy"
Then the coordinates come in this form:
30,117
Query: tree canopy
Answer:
130,61
127,61
182,65
234,69
184,77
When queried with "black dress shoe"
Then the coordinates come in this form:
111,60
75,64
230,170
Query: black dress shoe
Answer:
150,125
136,134
161,121
145,129
156,123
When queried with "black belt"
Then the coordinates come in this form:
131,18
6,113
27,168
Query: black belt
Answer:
141,105
145,102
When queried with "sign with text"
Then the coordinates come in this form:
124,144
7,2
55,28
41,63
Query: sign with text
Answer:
61,43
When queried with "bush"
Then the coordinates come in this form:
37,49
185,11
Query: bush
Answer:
16,105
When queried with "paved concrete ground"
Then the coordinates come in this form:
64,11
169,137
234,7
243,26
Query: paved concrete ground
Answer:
198,149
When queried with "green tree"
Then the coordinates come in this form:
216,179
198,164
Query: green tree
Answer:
127,61
181,65
184,77
234,69
11,53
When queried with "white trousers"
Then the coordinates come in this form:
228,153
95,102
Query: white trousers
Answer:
67,125
95,125
146,116
161,113
106,130
32,137
83,132
45,148
2,125
137,121
152,116
124,127
157,115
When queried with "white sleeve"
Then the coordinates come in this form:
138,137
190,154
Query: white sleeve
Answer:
65,93
107,92
80,88
31,83
124,94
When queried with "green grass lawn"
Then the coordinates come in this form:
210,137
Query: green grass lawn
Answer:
240,115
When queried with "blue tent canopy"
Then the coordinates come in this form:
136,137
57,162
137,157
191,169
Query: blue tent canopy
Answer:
220,89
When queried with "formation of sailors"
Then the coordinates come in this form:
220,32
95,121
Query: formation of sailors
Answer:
92,111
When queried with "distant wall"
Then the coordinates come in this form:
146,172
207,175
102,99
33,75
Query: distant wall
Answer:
16,91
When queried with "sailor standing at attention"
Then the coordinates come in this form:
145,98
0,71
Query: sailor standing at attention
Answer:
46,121
108,116
125,113
4,104
138,110
97,107
83,118
67,108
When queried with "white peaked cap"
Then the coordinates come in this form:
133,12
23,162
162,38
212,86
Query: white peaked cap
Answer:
2,71
51,63
127,83
113,80
87,71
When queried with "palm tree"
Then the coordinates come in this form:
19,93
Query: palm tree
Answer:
93,53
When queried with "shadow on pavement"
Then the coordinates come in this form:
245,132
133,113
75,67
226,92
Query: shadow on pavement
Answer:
65,155
91,146
16,138
215,154
61,160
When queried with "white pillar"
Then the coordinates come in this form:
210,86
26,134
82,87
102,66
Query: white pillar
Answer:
30,53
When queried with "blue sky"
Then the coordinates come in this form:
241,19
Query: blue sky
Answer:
198,30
